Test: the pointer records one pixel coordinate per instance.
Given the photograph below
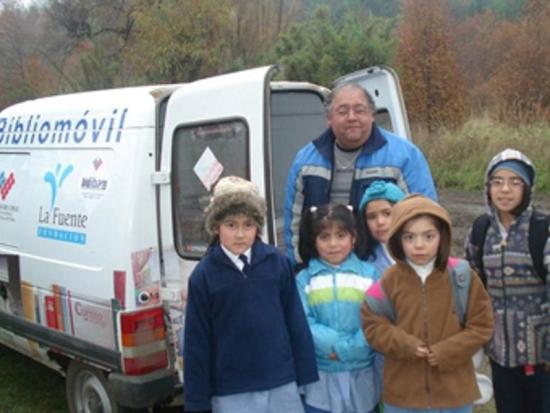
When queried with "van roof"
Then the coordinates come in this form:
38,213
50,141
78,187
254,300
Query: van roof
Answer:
98,106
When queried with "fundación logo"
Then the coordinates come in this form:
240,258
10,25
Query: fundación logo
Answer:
54,223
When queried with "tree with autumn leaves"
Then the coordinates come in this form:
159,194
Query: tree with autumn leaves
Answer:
456,58
432,83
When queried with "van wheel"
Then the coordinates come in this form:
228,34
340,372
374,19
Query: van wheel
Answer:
88,391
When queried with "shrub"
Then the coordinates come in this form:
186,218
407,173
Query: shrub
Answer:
458,159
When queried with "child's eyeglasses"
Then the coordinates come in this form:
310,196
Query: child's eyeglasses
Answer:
498,182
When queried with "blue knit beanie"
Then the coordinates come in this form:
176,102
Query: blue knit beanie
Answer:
517,167
381,190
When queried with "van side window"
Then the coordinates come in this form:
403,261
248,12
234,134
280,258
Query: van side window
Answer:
383,119
221,147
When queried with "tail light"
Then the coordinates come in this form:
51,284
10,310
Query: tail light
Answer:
143,341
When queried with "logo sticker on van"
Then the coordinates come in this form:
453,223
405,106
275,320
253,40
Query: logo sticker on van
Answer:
62,225
6,183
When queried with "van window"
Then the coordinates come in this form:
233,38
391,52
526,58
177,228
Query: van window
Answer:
297,117
383,119
201,154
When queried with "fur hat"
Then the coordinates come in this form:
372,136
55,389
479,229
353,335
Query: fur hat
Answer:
234,195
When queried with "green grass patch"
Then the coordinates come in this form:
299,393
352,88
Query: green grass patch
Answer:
29,387
458,159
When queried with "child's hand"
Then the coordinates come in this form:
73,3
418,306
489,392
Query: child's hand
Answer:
431,359
333,356
422,351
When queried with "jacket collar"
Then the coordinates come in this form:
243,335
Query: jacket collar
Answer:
351,264
259,252
325,143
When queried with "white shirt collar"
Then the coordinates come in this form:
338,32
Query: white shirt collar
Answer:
423,271
235,258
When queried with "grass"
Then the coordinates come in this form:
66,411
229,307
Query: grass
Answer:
458,159
29,387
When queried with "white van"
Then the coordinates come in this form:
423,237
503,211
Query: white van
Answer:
101,216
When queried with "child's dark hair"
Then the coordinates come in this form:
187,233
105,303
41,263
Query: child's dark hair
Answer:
444,250
315,220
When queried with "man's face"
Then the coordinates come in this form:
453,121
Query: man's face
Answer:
350,118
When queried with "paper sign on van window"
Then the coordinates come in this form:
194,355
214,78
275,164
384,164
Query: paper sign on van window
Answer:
208,169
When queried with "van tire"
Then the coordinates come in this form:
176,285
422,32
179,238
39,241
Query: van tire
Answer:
88,391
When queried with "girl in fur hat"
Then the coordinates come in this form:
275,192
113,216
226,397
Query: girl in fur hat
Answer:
247,345
427,352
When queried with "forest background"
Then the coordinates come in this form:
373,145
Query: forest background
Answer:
475,73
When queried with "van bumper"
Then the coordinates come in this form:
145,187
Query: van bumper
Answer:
138,392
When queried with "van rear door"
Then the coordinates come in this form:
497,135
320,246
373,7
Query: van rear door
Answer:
212,127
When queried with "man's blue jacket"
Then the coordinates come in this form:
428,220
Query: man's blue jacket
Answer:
385,156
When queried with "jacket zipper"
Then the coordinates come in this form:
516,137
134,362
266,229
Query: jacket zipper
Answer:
505,299
427,341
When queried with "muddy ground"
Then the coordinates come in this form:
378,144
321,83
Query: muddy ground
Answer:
465,206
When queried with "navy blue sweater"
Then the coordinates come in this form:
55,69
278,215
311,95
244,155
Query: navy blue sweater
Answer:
244,333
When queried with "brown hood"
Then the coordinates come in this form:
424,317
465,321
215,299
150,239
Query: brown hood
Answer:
410,207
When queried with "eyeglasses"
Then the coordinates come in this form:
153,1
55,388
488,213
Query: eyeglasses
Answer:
514,182
358,110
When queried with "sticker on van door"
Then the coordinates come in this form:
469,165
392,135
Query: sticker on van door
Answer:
7,211
208,169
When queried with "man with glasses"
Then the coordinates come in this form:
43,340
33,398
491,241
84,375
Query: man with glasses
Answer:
350,154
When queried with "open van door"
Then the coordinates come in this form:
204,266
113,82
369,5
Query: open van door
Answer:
298,117
213,127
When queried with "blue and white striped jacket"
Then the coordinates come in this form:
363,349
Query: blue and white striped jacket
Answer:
385,156
332,298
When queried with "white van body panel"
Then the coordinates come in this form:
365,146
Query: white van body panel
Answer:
75,204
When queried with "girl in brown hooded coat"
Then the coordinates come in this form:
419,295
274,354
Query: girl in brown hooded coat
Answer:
428,353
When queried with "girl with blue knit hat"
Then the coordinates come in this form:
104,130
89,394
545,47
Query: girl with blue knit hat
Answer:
374,219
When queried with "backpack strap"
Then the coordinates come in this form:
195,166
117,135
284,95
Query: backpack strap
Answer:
477,238
461,277
538,236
